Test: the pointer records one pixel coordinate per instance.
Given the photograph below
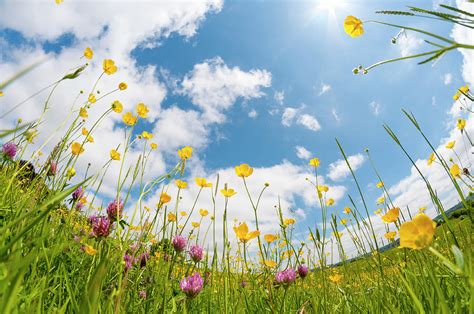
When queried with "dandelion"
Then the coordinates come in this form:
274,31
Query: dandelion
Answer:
455,171
122,86
115,209
179,243
88,53
243,170
203,212
391,215
192,285
109,66
77,148
9,150
185,153
129,119
117,106
353,26
285,277
243,234
201,182
142,110
196,253
114,155
270,238
450,145
418,233
314,162
303,271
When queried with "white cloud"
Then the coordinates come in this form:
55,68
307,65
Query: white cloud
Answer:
214,87
302,152
335,114
408,44
288,116
253,114
309,122
447,78
324,89
375,107
279,97
338,170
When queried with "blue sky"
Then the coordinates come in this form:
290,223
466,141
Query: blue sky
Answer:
300,45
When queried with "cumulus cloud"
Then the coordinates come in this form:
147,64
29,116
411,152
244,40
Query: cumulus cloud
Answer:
447,78
279,97
309,122
375,107
335,114
288,116
408,44
324,89
338,170
291,115
302,152
253,114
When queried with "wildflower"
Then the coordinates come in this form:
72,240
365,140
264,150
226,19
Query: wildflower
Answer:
243,234
195,253
431,159
390,235
203,183
243,170
183,213
142,294
129,261
129,119
153,146
147,135
347,210
109,66
455,171
270,238
77,148
144,257
228,192
92,99
418,233
330,202
203,212
142,110
462,90
123,86
115,209
270,263
179,243
378,211
289,221
314,162
181,184
114,155
9,150
84,132
343,222
381,200
101,226
380,184
1,93
52,169
77,194
353,26
83,113
391,215
422,209
337,235
90,139
171,217
88,53
185,153
450,145
285,277
71,172
195,224
164,198
335,278
89,250
303,271
117,106
461,124
192,285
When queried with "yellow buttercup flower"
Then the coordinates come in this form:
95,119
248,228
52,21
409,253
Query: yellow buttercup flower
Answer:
314,162
203,183
337,234
353,26
129,119
109,66
380,184
171,217
147,135
153,146
195,224
450,145
431,159
1,93
343,221
228,192
203,212
381,200
390,235
330,202
164,198
85,132
71,172
461,124
83,113
90,139
378,211
117,106
270,263
185,153
462,90
335,278
59,1
270,238
243,234
181,184
115,155
418,233
77,148
123,86
347,210
391,215
183,213
89,250
88,53
289,221
422,209
243,170
322,188
455,171
142,110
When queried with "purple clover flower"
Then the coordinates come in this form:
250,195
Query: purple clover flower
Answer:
195,253
142,294
144,257
9,150
191,285
285,277
77,194
179,243
101,226
303,271
114,209
53,168
129,261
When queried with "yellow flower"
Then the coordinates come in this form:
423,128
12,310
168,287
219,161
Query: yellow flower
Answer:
461,124
289,221
71,172
269,263
85,132
183,213
88,53
314,162
431,159
462,90
77,148
153,146
322,188
164,198
450,145
203,183
203,212
123,86
185,153
89,250
335,278
391,215
422,209
455,171
129,119
330,202
195,224
171,217
418,233
343,222
147,135
243,170
353,26
243,234
181,184
91,98
59,1
115,155
90,139
109,66
117,106
378,211
347,210
83,113
270,238
228,192
142,110
380,184
337,234
390,235
1,93
381,200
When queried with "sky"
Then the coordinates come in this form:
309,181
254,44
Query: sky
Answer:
268,83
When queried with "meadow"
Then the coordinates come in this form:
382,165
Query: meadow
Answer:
62,251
